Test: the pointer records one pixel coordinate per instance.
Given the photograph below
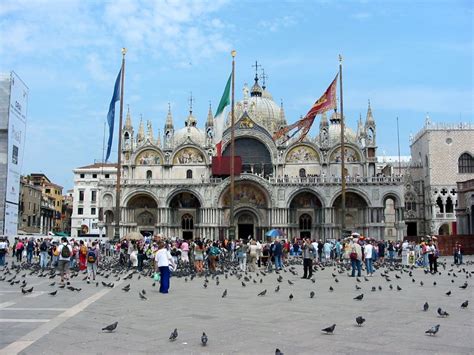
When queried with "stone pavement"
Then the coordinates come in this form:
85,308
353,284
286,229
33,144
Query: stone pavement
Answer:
241,323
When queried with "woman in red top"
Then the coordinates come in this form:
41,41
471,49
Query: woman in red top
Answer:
82,255
19,250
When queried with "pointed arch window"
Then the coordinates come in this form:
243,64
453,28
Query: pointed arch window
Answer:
189,174
302,173
187,222
305,222
149,174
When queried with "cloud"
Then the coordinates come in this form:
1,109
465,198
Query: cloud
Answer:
278,23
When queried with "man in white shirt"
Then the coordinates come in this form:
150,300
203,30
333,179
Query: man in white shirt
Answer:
315,245
3,251
368,251
65,253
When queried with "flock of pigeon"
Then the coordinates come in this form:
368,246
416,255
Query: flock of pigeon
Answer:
111,272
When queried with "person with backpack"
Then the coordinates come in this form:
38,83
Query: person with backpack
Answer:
64,253
82,255
92,258
30,248
43,254
3,251
19,250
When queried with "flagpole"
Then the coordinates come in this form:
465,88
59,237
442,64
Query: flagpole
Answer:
399,162
343,173
119,152
232,154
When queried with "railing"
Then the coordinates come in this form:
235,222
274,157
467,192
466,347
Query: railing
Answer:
466,185
286,180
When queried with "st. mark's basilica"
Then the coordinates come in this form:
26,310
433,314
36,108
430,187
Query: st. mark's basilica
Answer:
168,186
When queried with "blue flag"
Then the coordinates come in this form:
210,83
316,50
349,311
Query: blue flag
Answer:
111,114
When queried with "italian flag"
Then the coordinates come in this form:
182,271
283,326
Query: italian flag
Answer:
219,117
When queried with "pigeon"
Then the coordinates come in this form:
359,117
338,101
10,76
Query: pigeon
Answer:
433,330
360,320
421,283
434,283
426,306
442,313
277,288
463,286
291,297
62,286
360,297
262,293
313,280
53,293
126,288
111,327
399,288
311,294
374,289
358,287
329,330
465,304
204,339
243,284
224,293
448,293
331,289
278,352
142,297
144,292
26,291
290,283
54,283
174,334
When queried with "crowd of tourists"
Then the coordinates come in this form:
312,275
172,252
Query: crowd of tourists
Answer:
165,255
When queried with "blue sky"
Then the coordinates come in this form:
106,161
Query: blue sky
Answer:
407,57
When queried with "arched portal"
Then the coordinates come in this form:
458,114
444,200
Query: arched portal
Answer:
444,229
246,222
306,212
109,224
184,210
356,211
142,209
255,156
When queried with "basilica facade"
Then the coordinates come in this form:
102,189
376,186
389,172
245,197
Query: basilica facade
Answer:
168,187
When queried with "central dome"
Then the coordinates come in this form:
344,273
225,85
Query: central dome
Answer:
334,130
191,132
260,108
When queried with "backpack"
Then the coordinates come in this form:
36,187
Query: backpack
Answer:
91,257
65,252
43,246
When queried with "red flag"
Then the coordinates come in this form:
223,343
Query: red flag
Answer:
326,102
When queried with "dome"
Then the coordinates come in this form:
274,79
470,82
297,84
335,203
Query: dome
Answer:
334,133
261,109
191,132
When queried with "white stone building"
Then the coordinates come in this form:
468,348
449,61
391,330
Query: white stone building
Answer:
168,187
86,195
442,155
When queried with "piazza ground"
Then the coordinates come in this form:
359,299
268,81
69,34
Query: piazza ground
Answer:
241,323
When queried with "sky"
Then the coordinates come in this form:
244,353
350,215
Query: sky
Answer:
409,58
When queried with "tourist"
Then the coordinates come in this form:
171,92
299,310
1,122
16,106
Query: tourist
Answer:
320,250
242,255
44,247
184,252
19,250
277,251
327,250
140,255
308,255
198,256
253,249
30,248
391,251
381,246
163,261
458,251
214,252
432,257
368,254
338,250
82,255
315,245
356,257
64,258
92,259
3,251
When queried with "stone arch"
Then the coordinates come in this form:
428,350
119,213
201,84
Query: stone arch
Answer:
302,152
189,154
356,211
148,155
246,193
248,221
351,148
362,194
306,190
394,196
261,136
108,200
443,229
130,196
179,191
255,155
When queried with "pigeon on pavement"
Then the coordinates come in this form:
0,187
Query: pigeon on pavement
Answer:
111,327
433,330
329,330
174,334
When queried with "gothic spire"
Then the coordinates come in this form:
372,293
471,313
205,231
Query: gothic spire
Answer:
210,117
128,119
282,115
370,117
169,119
141,131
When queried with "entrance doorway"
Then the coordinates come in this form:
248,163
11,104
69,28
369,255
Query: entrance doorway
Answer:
187,235
411,229
245,230
146,233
